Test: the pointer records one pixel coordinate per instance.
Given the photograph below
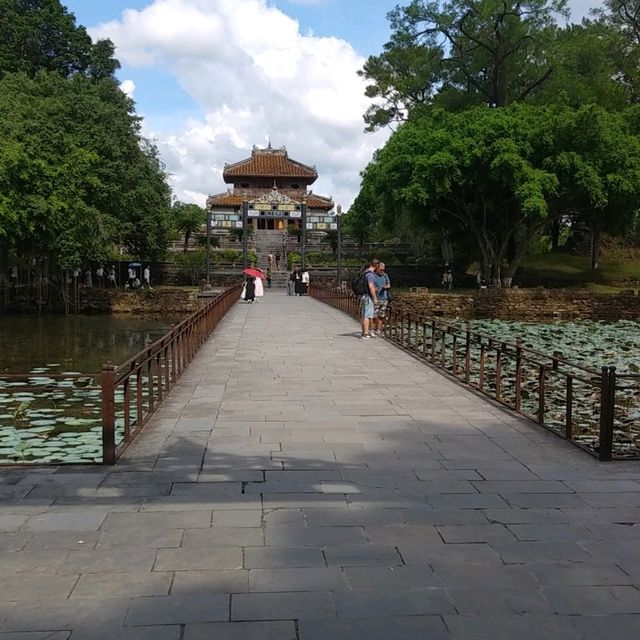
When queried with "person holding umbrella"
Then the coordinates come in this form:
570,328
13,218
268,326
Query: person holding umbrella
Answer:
250,289
132,275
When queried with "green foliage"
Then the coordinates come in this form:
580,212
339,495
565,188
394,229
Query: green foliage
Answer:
318,259
229,256
462,53
192,265
497,175
292,259
76,178
41,35
188,219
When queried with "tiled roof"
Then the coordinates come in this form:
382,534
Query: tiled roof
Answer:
231,200
269,163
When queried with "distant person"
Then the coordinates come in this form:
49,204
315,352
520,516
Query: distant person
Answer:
146,277
259,288
383,286
291,282
88,282
268,278
369,300
111,278
270,261
13,276
299,286
447,280
100,276
277,260
250,290
305,282
131,277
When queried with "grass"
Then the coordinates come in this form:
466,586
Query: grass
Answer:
575,271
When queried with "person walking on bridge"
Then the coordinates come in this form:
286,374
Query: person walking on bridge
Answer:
369,300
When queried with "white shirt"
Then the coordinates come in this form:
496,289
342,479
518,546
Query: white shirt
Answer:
147,273
305,277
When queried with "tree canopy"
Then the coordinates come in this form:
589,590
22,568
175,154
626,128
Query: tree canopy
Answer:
499,174
76,176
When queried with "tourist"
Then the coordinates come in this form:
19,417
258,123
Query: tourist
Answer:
131,274
277,261
383,284
250,290
447,279
146,277
269,260
14,276
305,282
299,286
111,279
268,278
100,276
87,278
291,282
369,300
259,288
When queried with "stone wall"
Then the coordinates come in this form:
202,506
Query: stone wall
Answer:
163,301
523,304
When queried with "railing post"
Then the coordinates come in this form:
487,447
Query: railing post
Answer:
542,375
568,427
518,404
607,413
107,383
499,373
467,355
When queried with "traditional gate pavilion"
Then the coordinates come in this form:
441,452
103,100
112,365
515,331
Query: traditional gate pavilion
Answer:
271,192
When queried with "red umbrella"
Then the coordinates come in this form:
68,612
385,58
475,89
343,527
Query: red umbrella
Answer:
255,272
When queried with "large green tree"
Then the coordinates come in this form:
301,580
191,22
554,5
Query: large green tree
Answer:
75,177
498,175
37,35
461,53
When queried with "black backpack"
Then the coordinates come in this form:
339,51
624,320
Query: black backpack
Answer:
359,285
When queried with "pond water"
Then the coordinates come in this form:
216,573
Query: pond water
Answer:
74,343
588,344
49,392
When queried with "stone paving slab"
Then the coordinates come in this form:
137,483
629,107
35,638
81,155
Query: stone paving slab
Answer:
300,484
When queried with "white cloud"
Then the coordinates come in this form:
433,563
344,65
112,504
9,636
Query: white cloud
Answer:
256,77
128,87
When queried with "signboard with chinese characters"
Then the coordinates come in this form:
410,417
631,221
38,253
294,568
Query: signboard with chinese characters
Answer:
321,223
274,210
225,220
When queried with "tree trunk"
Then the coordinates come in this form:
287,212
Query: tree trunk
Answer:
595,247
555,234
186,241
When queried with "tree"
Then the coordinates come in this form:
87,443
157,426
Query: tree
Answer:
597,162
479,170
623,16
75,175
188,219
41,35
468,52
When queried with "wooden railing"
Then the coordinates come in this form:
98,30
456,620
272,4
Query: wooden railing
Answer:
595,410
133,391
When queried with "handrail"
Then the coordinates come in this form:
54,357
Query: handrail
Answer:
134,390
518,377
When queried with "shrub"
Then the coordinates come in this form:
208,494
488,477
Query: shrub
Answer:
293,258
191,266
318,259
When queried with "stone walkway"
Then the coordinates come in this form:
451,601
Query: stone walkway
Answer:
300,483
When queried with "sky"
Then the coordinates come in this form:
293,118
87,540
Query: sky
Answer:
212,78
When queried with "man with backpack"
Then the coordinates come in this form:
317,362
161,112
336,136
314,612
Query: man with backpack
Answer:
364,286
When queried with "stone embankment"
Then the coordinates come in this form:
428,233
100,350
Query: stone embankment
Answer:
523,304
162,301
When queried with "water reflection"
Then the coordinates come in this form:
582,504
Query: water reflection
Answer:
75,343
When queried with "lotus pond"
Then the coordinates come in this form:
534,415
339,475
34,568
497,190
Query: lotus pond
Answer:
49,383
587,344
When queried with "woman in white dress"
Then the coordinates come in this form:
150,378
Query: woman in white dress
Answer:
259,288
